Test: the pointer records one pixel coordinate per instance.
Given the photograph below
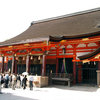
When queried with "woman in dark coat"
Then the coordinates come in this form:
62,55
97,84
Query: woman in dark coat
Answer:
24,82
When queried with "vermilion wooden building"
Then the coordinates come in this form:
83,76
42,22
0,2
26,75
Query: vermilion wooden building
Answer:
39,50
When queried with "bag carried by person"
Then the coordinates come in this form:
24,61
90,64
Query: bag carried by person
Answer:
2,81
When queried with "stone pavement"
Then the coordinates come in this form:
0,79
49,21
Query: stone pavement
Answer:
54,92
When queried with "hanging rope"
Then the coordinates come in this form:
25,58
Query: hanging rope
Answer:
64,66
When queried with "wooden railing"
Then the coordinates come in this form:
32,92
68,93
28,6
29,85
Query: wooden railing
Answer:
60,76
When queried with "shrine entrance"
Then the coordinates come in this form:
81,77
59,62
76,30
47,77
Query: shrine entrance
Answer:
35,69
50,68
86,73
21,68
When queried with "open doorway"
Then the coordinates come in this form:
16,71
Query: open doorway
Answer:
86,73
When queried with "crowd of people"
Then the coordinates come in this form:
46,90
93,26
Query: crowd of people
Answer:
15,81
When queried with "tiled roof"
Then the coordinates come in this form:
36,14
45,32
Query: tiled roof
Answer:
90,55
68,25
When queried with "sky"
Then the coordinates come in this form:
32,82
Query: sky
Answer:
16,15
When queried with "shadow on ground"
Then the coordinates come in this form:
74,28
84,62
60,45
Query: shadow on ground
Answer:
76,88
5,96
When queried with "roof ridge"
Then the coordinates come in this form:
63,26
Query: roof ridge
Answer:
67,15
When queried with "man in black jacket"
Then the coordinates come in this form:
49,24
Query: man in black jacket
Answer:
24,82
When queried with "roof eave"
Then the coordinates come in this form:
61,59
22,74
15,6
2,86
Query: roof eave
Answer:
26,41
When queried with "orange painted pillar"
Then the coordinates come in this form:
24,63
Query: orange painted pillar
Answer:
74,72
57,59
98,65
2,65
74,63
6,65
13,65
28,64
44,66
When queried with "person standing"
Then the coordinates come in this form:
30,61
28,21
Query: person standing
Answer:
6,80
0,83
18,81
31,82
22,76
13,81
24,82
10,81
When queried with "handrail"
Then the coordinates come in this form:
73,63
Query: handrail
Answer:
60,75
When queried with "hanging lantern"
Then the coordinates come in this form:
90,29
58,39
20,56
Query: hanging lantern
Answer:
16,58
39,57
23,58
31,57
94,63
30,53
51,71
15,55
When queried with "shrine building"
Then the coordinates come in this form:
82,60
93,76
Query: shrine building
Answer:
43,47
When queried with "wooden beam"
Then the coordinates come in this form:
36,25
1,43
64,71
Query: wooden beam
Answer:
59,56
